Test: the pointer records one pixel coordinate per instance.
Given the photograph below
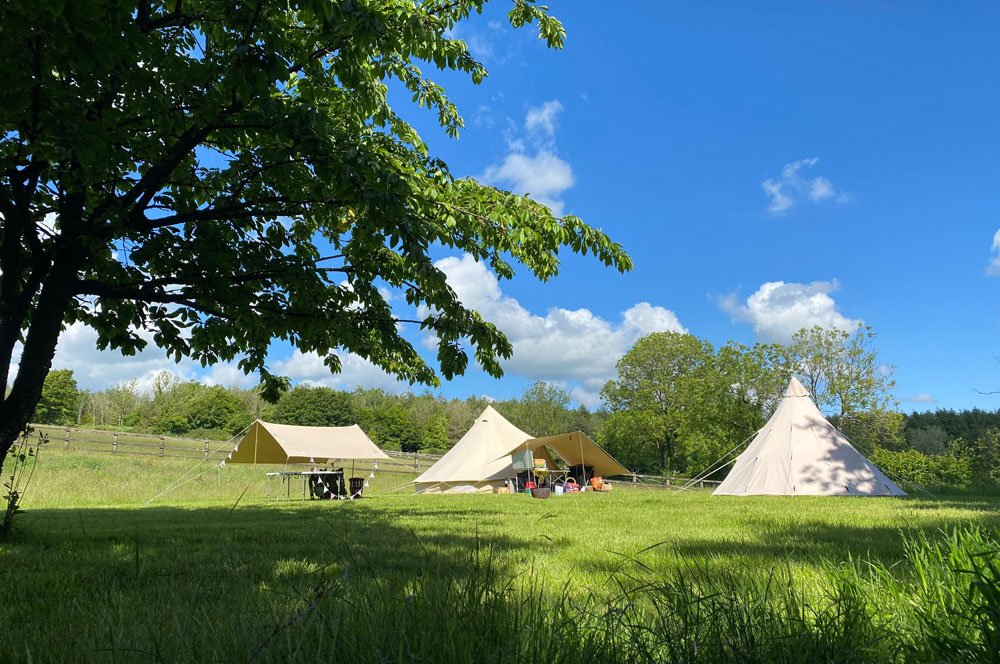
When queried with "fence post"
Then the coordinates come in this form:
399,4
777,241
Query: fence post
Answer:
114,443
206,449
66,442
161,445
634,479
415,462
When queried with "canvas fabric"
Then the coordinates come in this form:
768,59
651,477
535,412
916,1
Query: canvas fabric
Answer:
799,453
481,460
266,442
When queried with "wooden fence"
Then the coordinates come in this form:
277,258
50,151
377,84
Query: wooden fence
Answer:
145,444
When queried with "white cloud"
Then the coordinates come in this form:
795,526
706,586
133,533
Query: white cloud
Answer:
571,348
993,269
97,369
355,371
531,165
791,187
920,398
545,176
778,310
543,118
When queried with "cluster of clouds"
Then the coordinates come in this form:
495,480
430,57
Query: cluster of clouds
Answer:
572,348
777,310
793,187
532,164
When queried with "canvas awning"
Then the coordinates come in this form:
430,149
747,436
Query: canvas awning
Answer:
577,448
266,442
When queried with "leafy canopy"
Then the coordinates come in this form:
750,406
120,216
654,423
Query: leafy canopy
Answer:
226,173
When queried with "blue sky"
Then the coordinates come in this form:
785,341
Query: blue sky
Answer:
848,150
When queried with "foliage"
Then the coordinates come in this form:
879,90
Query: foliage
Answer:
676,395
968,424
841,369
211,176
871,429
59,399
940,470
24,459
313,406
392,428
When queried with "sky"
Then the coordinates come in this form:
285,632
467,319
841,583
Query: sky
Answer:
768,166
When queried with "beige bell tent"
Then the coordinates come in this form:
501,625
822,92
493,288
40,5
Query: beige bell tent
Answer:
265,442
481,461
799,453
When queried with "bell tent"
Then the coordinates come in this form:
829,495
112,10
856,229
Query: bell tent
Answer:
799,453
265,442
481,461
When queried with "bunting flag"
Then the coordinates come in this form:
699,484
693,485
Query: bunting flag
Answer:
366,484
223,464
312,460
375,467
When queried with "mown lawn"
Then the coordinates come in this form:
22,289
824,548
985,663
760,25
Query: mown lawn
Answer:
202,574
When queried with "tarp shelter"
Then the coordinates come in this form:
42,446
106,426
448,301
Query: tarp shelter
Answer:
481,460
799,453
265,442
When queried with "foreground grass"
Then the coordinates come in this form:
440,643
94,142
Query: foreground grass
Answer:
90,575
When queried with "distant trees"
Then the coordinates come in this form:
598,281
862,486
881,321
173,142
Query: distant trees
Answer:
313,406
58,402
678,404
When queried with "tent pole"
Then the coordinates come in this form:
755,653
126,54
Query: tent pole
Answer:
583,462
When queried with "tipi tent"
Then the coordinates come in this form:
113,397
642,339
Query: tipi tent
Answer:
799,453
481,460
265,442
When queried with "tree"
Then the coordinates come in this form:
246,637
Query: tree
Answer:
122,400
654,379
392,427
209,176
842,371
57,404
313,407
541,411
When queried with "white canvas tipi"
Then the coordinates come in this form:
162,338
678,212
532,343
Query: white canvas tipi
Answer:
799,453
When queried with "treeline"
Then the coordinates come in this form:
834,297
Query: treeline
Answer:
676,406
408,422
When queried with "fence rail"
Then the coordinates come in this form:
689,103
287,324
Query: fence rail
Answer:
147,444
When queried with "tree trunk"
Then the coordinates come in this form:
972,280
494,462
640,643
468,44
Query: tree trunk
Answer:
39,349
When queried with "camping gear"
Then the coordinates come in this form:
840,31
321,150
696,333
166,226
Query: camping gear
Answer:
799,453
357,486
522,460
559,489
541,492
485,457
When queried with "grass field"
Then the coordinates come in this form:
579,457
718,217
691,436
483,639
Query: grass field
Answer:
89,574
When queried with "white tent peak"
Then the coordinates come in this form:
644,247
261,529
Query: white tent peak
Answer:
796,389
798,452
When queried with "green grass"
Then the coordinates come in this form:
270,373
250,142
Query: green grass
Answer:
89,574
